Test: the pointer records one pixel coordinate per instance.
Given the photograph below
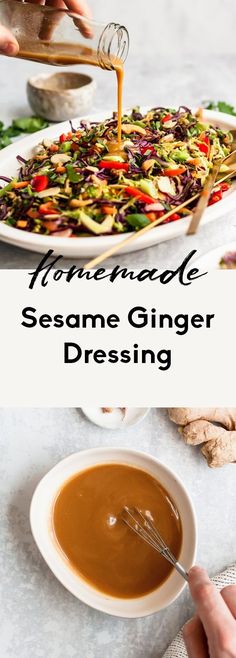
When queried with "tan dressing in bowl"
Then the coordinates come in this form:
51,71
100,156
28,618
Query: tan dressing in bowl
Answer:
98,545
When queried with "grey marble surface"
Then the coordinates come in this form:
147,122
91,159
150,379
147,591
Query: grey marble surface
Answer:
153,79
40,618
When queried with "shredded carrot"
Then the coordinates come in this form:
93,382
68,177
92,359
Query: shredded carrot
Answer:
21,223
53,148
109,210
195,161
151,215
60,169
21,184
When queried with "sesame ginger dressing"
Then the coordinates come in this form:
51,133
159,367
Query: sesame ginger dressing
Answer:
65,54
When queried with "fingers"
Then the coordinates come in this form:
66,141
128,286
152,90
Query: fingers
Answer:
79,7
51,19
194,634
200,431
217,620
229,596
8,43
195,639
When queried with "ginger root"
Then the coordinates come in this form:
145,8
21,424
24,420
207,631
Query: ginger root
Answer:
215,428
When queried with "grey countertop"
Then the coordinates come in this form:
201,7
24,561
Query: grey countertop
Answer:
40,618
170,81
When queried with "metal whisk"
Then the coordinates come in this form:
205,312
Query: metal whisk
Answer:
144,528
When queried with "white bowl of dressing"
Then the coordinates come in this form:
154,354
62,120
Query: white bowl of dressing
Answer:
41,515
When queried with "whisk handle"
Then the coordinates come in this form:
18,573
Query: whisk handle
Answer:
181,570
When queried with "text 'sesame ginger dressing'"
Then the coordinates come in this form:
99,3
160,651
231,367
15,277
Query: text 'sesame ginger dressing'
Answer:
62,38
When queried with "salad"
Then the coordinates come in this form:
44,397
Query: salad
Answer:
81,185
228,261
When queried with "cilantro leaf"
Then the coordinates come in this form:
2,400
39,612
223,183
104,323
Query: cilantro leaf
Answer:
18,126
221,106
4,140
29,124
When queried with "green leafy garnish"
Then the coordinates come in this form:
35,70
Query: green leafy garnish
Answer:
29,124
221,106
137,220
6,188
4,141
18,126
72,174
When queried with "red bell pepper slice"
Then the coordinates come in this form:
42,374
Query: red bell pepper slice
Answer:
40,183
215,197
204,144
224,187
62,138
203,148
140,196
149,147
47,209
172,218
110,164
168,117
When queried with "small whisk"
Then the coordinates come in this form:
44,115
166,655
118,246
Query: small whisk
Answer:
144,528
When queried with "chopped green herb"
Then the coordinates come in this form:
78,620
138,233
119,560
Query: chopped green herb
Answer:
221,106
72,174
29,124
18,126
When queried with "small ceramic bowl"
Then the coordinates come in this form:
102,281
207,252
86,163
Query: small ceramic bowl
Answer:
61,96
117,418
41,525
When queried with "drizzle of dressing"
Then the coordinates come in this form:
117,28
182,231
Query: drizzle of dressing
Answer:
66,54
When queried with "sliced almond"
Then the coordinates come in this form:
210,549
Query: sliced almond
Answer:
127,142
60,158
148,164
47,142
62,234
168,138
98,181
52,216
129,128
169,124
165,185
51,191
94,169
80,203
39,148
